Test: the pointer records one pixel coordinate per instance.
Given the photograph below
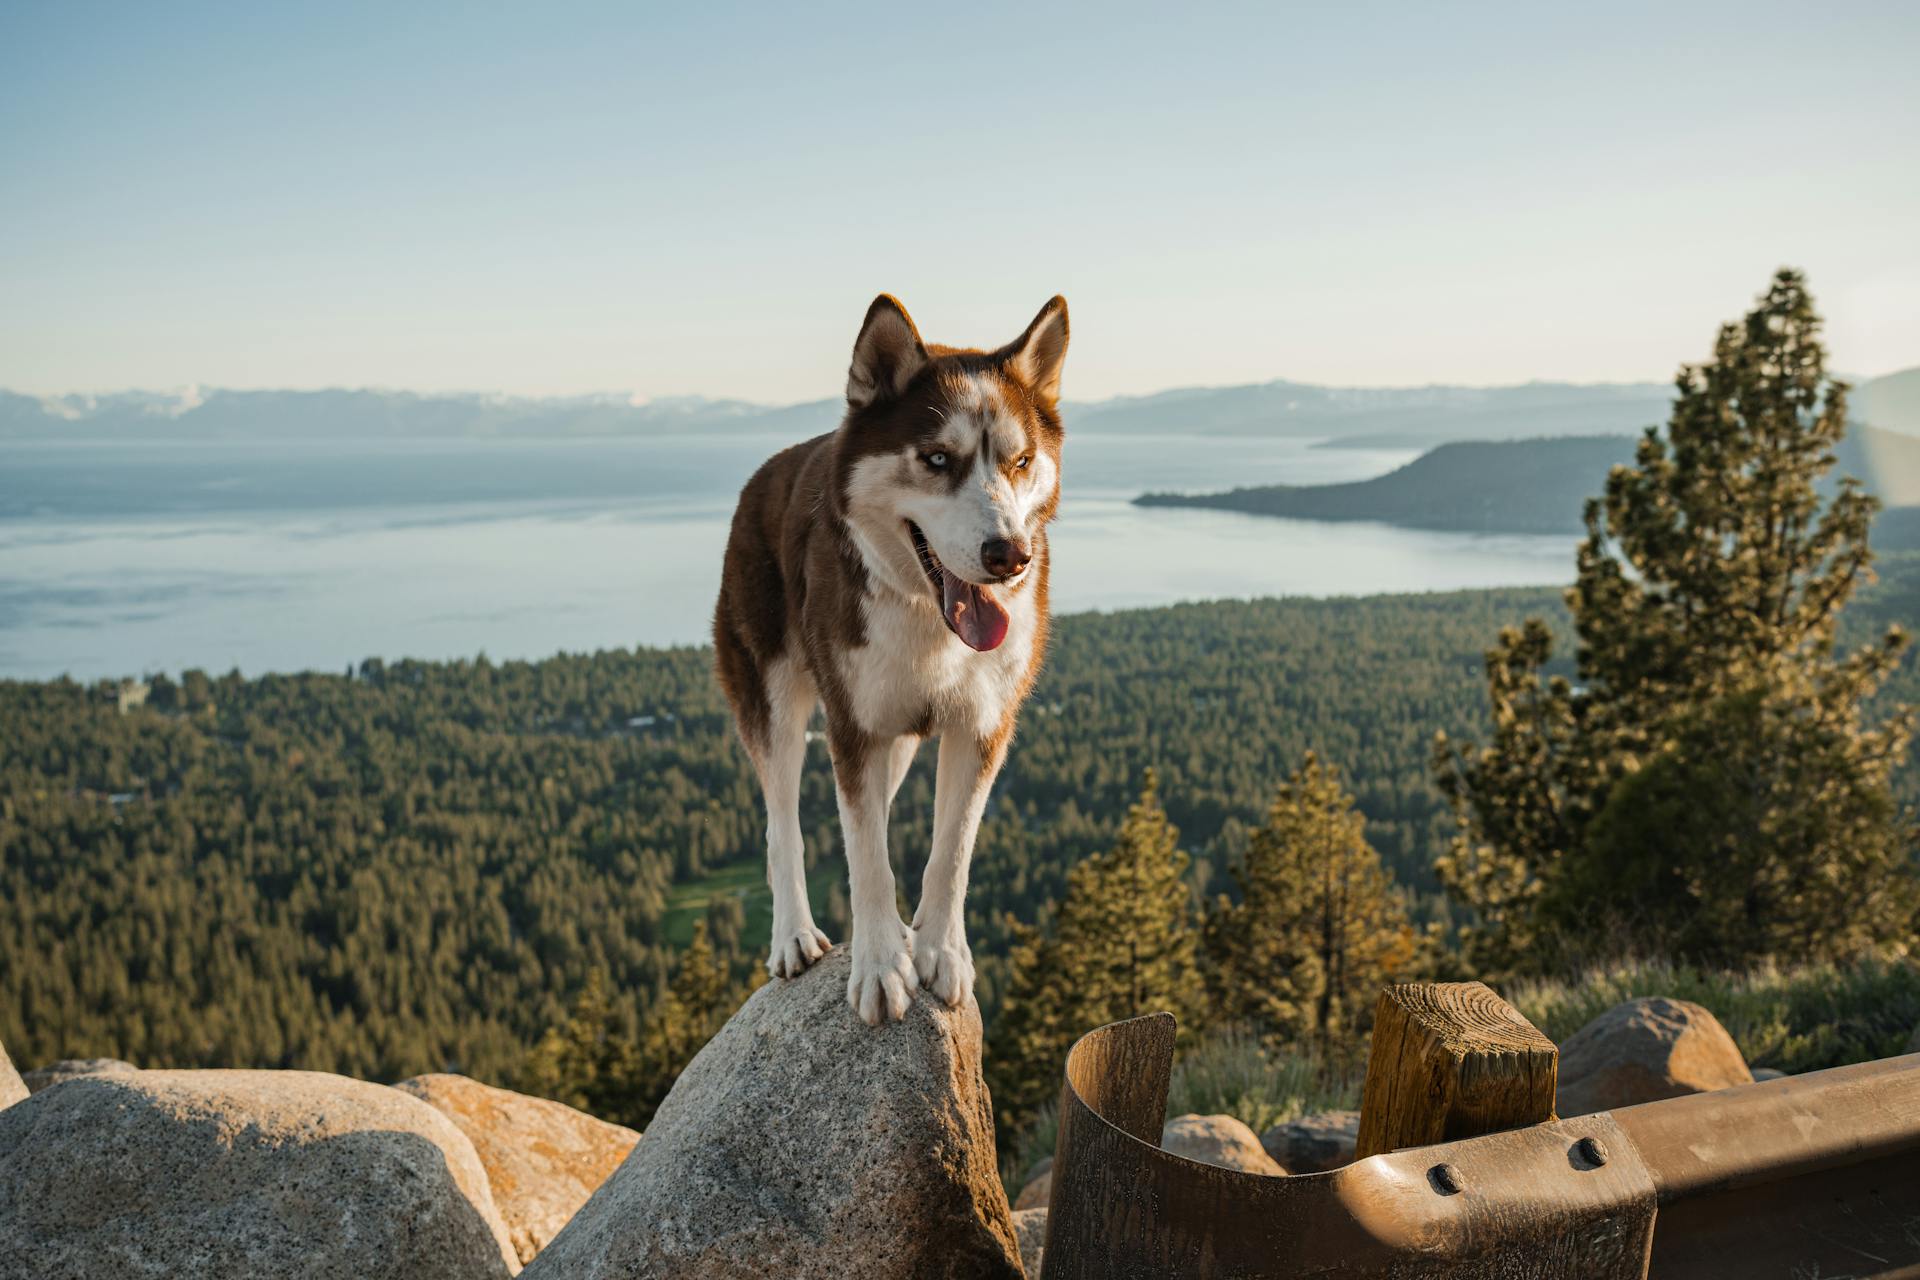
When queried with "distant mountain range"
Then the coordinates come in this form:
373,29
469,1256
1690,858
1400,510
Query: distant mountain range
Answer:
1533,486
1413,417
1891,403
320,415
1521,459
1387,417
1344,416
1501,459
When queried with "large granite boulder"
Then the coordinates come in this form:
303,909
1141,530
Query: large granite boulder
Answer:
543,1159
69,1068
1314,1144
1220,1140
241,1175
1645,1050
12,1088
803,1142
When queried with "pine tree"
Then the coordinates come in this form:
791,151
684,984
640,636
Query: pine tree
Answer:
1030,1037
1318,928
591,1061
1129,937
699,1000
587,1060
1123,945
1710,787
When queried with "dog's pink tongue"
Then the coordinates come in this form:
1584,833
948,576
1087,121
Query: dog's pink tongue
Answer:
972,613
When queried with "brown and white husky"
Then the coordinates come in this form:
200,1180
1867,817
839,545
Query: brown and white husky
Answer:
894,572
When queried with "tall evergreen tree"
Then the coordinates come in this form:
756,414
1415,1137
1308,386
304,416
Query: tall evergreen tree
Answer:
1124,944
696,1005
592,1061
1710,786
1028,1041
1318,928
588,1060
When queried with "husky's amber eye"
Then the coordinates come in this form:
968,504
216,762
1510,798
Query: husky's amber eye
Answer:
1023,461
938,461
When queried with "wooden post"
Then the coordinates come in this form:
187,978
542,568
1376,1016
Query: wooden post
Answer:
1451,1060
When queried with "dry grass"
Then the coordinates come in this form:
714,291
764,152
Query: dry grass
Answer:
1795,1020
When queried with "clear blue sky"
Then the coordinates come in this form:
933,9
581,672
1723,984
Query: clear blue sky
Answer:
702,198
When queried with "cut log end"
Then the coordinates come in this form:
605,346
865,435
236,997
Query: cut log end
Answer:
1452,1060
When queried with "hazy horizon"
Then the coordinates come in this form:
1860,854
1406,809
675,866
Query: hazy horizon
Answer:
638,400
635,398
831,388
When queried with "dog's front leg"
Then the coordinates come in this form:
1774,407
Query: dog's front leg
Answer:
779,753
940,952
882,981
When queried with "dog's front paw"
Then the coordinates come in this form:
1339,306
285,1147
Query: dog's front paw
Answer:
795,949
945,965
882,983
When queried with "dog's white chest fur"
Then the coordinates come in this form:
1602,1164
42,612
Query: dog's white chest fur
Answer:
912,669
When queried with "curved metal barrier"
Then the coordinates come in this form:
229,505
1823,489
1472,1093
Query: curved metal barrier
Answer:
1812,1177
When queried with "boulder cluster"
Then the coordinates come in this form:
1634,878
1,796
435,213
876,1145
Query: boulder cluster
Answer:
798,1142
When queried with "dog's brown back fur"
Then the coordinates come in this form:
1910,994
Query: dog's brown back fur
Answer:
784,534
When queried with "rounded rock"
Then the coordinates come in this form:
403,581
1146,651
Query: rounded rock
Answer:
242,1175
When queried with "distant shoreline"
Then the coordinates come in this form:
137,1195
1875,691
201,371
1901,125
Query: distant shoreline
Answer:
1536,487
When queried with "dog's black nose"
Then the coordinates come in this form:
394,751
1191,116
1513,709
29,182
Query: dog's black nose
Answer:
1003,557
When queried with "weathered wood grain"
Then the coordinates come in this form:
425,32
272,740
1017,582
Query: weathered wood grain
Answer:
1451,1060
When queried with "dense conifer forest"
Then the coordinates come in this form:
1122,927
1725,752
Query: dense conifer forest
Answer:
418,866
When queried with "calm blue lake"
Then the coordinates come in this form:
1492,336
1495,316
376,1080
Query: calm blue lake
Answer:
122,559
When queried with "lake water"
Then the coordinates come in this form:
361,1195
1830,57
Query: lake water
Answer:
120,559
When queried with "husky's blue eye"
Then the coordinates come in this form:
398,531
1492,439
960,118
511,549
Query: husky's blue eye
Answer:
938,461
1023,460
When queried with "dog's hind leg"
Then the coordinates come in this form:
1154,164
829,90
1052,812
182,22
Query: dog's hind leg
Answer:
941,956
779,758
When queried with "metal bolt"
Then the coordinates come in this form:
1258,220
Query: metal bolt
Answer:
1591,1150
1445,1179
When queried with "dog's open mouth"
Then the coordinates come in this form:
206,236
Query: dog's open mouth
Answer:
969,608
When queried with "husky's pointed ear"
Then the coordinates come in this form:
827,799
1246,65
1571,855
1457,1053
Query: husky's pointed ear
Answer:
886,355
1035,356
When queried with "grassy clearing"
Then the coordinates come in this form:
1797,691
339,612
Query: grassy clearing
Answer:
746,881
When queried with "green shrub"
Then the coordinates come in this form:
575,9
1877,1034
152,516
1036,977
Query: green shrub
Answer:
1229,1072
